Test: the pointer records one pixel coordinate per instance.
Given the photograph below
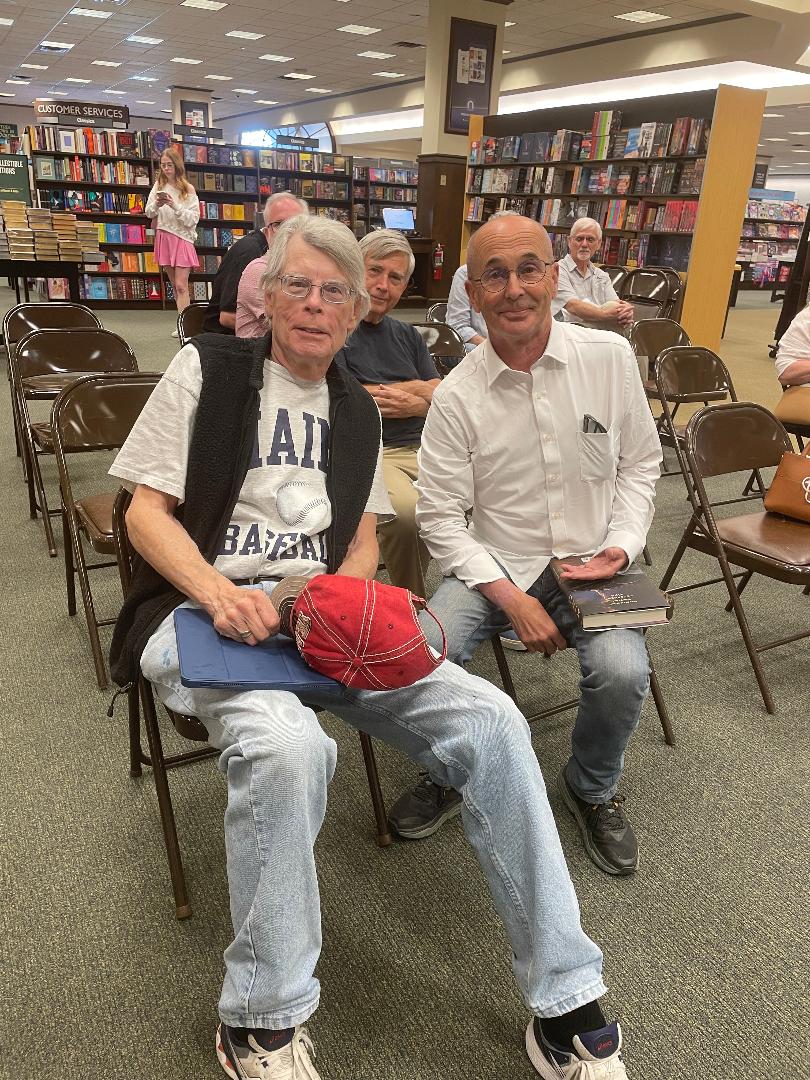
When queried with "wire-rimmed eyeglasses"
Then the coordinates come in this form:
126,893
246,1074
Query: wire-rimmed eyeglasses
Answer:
332,292
496,278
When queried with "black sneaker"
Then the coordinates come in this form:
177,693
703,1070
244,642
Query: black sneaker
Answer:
596,1055
423,810
609,837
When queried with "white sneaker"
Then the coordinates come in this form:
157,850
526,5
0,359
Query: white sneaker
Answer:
510,640
597,1055
253,1062
175,334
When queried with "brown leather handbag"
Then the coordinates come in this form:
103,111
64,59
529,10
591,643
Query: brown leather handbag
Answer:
789,493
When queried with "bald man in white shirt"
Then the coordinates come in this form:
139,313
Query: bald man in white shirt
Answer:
507,435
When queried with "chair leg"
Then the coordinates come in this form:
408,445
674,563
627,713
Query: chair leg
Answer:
37,498
134,717
660,705
89,607
181,904
503,669
740,586
70,570
746,633
384,838
678,555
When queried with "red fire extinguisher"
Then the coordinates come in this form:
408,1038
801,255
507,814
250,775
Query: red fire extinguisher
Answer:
438,262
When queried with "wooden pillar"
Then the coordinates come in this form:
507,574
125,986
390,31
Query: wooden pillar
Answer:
439,210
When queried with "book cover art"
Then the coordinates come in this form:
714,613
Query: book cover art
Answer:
127,143
623,600
67,141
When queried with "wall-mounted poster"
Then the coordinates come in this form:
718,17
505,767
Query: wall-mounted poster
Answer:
469,75
194,114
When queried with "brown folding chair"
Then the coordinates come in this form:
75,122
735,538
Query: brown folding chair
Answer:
43,363
675,290
740,436
140,698
55,315
190,322
554,710
94,413
443,343
437,313
617,274
649,337
647,290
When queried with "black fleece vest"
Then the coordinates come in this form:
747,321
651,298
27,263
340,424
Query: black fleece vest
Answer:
222,443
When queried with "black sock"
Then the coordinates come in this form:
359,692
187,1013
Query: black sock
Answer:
560,1030
265,1037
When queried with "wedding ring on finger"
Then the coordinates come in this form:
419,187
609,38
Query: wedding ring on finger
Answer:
244,634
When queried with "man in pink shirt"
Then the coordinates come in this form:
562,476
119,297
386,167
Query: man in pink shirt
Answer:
251,319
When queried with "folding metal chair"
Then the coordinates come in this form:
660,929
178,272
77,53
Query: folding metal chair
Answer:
740,436
94,413
437,313
43,363
675,290
190,322
649,337
617,274
140,700
647,290
443,343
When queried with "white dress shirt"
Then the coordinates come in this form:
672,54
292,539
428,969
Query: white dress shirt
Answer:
460,313
595,287
795,342
509,447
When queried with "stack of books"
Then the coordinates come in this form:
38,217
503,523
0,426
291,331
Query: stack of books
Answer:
45,243
87,235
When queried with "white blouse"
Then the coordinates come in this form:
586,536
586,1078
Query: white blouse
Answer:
180,219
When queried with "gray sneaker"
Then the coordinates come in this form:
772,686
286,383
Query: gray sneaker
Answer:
423,809
251,1061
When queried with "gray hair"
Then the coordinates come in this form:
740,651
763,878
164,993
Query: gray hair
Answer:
586,223
277,197
383,243
329,237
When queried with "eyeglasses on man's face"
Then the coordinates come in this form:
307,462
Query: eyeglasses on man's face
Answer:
332,292
496,278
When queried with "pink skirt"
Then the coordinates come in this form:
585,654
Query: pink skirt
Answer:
171,250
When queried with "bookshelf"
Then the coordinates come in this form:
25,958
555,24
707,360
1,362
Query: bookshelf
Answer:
374,187
667,178
105,177
771,232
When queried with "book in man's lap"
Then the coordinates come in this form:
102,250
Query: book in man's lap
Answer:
626,600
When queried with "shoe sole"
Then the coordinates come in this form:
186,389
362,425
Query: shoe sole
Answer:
515,646
594,854
537,1057
429,829
223,1058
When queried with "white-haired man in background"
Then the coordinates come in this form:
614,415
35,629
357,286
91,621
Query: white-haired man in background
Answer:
584,292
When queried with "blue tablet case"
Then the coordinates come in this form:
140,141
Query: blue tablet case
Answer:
208,659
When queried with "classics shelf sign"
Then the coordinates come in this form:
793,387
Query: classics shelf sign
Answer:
81,114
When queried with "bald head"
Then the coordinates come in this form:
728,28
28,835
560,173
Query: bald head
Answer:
500,232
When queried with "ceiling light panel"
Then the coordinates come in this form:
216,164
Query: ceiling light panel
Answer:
105,63
57,45
317,90
184,60
642,16
377,55
144,78
204,5
78,80
6,22
139,102
389,74
38,67
121,93
246,35
139,39
241,90
221,78
276,59
353,28
296,75
91,13
264,101
3,93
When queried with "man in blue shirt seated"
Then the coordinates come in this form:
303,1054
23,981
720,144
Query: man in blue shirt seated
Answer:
391,360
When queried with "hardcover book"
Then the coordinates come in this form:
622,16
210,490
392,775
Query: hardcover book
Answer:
626,600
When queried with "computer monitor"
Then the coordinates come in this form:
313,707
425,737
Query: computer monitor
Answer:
399,217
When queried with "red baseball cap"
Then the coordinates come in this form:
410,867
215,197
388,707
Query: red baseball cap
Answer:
362,633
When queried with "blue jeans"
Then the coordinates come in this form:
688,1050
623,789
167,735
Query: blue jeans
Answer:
278,762
615,674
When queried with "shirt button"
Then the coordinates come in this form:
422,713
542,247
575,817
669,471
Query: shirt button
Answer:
556,515
554,477
546,438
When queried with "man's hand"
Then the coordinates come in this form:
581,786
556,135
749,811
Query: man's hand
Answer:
533,625
626,315
235,611
599,568
393,402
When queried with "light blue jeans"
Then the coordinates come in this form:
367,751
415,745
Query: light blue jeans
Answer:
278,762
615,674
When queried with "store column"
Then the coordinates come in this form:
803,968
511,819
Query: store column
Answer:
462,77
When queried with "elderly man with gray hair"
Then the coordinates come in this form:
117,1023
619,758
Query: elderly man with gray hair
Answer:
254,460
220,318
391,360
584,292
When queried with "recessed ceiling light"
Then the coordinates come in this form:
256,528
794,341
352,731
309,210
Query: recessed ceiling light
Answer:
166,110
247,35
6,22
241,90
90,13
296,75
20,82
144,78
59,93
775,140
642,16
139,102
797,133
105,63
56,44
38,67
353,28
377,55
78,80
773,115
317,90
276,59
389,74
3,93
264,101
505,52
510,24
184,60
139,39
221,78
205,5
119,92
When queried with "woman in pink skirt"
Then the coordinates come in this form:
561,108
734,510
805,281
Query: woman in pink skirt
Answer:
173,201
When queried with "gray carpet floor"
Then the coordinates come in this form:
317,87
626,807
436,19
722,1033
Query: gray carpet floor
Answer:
706,948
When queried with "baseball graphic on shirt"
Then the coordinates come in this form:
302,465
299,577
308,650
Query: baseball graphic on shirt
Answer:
302,506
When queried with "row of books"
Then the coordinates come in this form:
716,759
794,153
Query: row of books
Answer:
615,250
228,211
113,232
114,287
93,202
386,176
76,140
766,230
319,189
302,161
654,178
217,181
207,237
90,170
392,194
606,139
130,262
764,249
775,209
212,154
676,215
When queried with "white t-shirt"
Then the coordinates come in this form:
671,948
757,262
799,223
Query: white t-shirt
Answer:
278,526
795,342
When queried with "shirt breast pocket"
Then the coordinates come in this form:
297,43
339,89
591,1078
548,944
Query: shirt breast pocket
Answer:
597,455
